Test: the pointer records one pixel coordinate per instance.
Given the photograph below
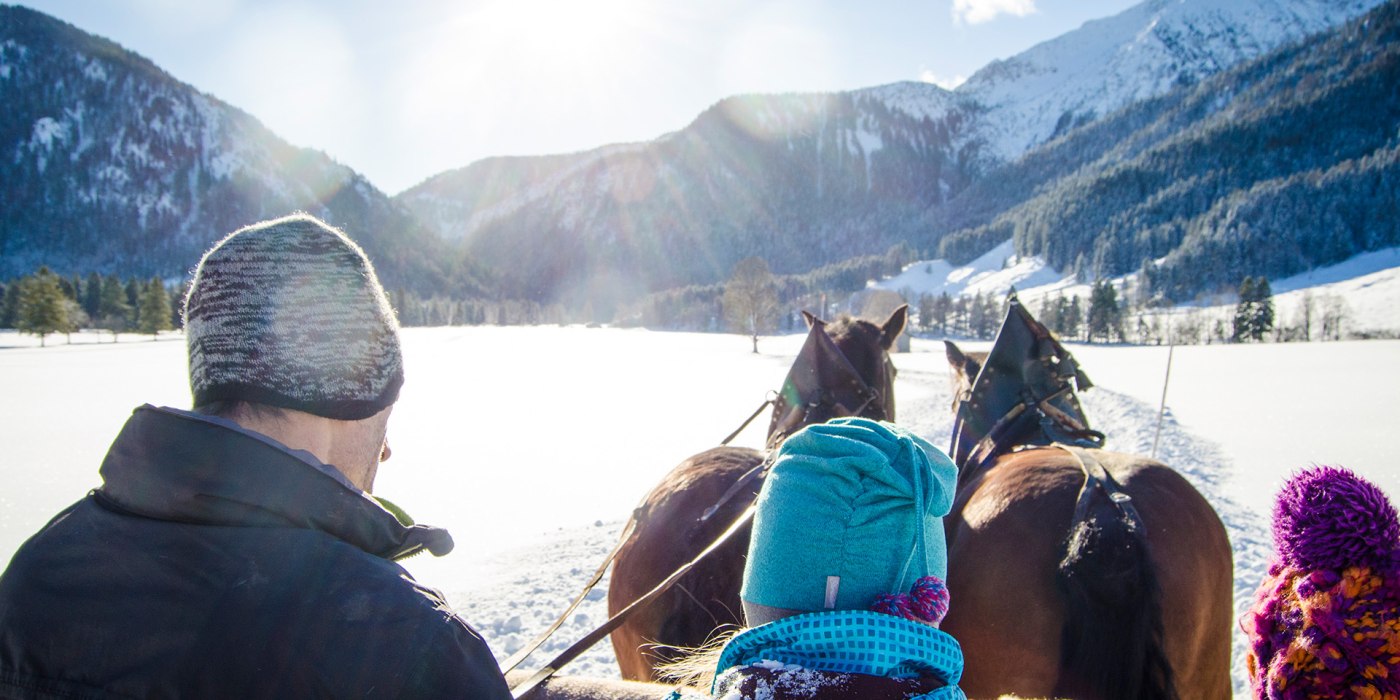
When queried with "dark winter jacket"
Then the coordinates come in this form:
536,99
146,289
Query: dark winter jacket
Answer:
214,562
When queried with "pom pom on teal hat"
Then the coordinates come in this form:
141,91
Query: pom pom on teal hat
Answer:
851,509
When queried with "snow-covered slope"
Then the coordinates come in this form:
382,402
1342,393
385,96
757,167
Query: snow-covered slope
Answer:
995,272
1368,285
1141,52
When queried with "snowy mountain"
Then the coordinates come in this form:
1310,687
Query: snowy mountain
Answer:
113,166
1273,167
809,180
801,180
1139,53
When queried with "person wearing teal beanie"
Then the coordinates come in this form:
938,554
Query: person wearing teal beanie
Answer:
843,587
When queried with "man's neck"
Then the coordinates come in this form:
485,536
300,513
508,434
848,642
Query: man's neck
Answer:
324,438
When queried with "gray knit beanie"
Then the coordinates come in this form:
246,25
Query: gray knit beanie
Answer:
289,313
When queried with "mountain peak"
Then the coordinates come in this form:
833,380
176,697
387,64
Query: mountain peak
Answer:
1139,53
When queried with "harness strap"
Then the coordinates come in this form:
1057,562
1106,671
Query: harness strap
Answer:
733,490
1098,480
768,402
524,688
524,652
1013,428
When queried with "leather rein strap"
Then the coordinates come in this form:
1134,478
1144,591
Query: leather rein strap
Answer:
582,645
593,637
514,660
1016,428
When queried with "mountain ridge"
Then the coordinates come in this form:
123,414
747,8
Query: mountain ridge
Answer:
116,166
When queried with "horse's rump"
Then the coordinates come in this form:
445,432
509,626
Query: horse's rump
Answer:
679,502
1045,606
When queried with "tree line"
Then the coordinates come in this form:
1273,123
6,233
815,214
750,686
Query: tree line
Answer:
45,303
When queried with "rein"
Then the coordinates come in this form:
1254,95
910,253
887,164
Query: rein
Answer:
824,400
514,660
525,687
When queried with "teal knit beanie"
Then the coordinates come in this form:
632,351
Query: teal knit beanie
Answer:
851,509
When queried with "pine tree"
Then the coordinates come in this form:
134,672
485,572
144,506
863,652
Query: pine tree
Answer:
92,295
1073,318
133,301
9,305
1244,312
1049,315
941,308
113,313
1263,322
155,308
1105,316
41,305
976,316
926,311
1254,314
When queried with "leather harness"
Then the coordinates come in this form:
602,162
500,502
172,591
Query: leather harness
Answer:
1028,381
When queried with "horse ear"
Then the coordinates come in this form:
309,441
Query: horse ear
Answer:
812,321
894,325
964,365
956,357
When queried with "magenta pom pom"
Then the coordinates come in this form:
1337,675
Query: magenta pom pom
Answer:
1330,518
930,599
926,602
897,604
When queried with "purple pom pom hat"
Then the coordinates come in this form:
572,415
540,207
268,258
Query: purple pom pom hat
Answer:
1326,618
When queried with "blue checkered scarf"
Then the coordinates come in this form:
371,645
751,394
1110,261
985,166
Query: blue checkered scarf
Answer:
852,641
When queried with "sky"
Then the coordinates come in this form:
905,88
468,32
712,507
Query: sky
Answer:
402,91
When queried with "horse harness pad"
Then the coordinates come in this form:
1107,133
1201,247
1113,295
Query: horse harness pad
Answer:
1029,381
806,394
1023,395
803,398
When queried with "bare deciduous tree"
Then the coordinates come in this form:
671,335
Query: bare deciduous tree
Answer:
751,298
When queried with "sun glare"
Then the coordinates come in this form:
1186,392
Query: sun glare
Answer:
490,55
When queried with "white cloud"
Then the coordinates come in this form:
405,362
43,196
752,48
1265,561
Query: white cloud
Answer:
978,11
944,82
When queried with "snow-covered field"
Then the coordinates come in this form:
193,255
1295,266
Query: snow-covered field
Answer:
532,444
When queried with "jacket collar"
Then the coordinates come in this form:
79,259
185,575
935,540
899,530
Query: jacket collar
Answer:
174,465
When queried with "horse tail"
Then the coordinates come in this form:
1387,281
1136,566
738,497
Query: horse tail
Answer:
1111,646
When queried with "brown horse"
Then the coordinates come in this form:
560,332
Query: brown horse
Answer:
1064,585
843,370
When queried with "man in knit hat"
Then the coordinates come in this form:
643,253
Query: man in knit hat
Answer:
234,550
